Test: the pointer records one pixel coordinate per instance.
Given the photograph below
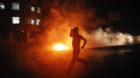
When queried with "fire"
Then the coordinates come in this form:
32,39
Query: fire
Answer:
60,47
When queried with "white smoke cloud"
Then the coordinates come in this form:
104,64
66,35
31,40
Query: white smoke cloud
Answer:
109,38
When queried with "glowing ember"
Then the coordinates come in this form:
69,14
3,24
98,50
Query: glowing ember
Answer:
60,47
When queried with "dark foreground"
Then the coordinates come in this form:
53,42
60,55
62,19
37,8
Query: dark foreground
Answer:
19,61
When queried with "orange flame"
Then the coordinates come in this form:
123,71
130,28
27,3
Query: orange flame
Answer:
60,47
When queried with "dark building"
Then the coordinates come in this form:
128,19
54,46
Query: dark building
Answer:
19,19
123,15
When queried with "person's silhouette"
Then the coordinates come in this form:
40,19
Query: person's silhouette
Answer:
76,48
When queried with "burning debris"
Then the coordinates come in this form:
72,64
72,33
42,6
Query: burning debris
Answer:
60,47
62,17
44,61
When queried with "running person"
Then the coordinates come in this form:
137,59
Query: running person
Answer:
76,48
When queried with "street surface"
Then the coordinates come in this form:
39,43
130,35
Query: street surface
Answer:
33,61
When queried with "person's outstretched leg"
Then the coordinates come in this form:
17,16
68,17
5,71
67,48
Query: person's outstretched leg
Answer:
70,66
74,57
83,61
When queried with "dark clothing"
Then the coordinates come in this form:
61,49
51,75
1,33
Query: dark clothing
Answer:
76,46
76,41
76,50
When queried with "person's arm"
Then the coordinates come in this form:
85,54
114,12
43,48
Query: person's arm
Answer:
84,42
71,33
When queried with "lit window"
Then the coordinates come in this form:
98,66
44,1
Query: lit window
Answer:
2,6
32,9
15,6
38,10
32,22
15,20
37,21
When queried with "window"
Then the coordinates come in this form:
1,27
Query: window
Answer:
15,20
2,6
37,21
32,21
38,10
15,6
32,9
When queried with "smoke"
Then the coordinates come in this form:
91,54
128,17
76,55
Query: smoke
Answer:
66,14
62,15
59,18
109,38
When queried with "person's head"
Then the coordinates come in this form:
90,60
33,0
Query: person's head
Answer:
75,29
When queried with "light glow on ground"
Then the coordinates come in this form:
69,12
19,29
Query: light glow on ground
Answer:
60,47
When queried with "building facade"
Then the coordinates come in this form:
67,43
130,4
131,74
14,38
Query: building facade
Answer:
19,19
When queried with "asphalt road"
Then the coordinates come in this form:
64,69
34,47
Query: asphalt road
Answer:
22,61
